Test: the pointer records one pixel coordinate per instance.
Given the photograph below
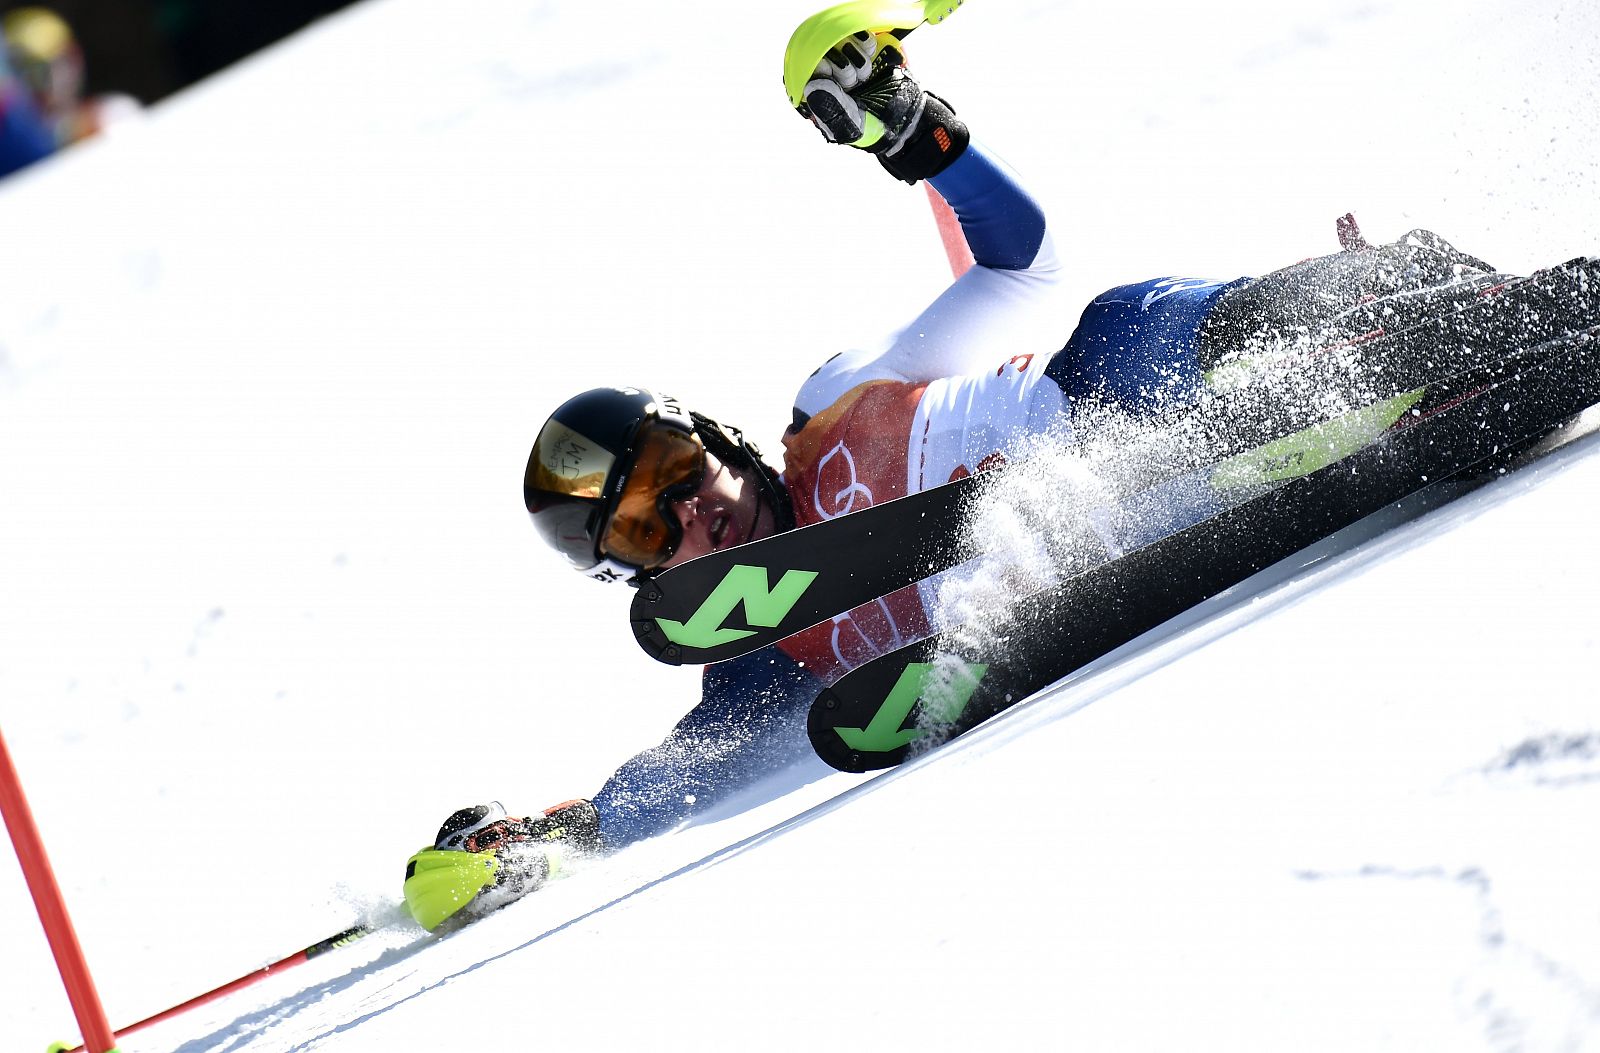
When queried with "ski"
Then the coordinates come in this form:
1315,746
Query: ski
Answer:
820,570
912,699
789,582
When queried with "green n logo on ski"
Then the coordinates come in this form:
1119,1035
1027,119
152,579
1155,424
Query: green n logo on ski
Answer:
942,702
763,606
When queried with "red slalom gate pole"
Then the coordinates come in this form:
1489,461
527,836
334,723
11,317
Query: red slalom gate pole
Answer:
52,910
955,242
337,940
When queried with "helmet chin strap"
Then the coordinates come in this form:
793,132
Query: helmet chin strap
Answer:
729,445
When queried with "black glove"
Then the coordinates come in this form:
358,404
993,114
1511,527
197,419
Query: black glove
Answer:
862,96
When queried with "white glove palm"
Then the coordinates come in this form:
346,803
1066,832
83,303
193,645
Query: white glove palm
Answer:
860,95
832,93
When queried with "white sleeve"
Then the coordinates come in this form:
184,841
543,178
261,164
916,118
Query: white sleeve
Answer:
1010,303
983,319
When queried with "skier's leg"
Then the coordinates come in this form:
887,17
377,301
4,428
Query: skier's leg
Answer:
1136,347
1327,295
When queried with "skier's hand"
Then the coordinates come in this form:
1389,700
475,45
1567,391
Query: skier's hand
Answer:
854,59
860,95
523,854
847,68
528,851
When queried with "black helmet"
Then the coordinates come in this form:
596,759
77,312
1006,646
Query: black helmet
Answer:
582,462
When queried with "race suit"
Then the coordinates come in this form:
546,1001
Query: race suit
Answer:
972,378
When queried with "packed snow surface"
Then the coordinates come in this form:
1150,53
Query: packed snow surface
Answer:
270,608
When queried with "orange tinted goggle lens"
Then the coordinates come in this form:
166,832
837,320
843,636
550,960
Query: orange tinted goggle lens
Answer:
641,531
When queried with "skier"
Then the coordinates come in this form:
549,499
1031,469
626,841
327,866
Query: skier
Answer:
625,482
45,56
25,136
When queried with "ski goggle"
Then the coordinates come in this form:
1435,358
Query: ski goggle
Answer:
666,463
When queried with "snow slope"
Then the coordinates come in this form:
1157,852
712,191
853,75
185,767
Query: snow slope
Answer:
269,606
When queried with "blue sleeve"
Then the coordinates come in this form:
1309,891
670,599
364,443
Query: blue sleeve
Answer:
751,722
1004,225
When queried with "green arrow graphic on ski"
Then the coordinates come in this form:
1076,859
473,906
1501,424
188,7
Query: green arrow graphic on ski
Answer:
763,606
942,705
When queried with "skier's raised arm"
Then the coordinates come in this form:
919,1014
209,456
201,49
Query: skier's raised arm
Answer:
863,96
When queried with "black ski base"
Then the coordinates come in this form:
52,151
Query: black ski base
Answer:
912,699
853,559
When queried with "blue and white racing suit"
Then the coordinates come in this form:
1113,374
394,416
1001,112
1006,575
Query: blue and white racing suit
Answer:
960,385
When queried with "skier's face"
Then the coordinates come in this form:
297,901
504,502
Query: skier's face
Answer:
725,509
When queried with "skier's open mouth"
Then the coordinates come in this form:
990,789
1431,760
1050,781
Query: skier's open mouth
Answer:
719,529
